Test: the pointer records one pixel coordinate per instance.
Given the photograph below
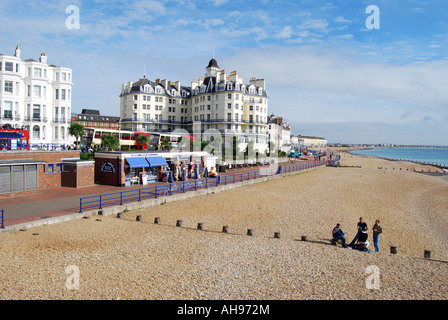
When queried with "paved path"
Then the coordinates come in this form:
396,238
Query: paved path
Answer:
49,203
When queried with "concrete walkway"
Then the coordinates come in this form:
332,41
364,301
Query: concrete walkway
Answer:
57,202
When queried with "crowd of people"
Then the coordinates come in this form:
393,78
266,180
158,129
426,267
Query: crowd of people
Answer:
185,172
360,241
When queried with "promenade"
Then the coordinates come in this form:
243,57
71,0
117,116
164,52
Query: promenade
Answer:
57,202
128,259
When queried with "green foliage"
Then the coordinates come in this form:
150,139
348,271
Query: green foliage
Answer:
77,130
110,142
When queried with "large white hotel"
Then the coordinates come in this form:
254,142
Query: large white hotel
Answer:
36,96
215,102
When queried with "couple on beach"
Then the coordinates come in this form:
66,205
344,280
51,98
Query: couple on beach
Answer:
360,240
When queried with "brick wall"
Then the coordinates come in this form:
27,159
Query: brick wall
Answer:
46,156
109,178
49,174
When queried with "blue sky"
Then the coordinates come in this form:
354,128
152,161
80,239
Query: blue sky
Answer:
327,74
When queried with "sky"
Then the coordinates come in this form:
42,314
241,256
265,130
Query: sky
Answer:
340,69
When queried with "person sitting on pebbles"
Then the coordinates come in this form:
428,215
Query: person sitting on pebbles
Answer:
338,234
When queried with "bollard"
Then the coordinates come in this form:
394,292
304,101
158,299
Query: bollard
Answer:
179,223
250,232
277,235
200,226
119,215
224,229
139,218
157,220
304,238
393,249
427,254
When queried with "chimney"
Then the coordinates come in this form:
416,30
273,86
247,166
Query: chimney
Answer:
177,85
43,58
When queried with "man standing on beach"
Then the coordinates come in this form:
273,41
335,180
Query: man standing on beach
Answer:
377,230
361,226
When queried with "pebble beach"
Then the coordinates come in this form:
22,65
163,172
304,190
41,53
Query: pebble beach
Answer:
125,259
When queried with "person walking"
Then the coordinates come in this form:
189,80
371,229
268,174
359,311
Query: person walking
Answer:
377,230
361,226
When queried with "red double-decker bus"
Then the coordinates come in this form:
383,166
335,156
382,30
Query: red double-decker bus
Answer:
14,139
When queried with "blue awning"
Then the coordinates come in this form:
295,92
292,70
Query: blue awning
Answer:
156,161
137,162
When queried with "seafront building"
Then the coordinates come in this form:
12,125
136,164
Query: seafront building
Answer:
36,96
215,102
309,141
280,131
91,118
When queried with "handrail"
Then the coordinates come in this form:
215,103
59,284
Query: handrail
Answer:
3,218
122,197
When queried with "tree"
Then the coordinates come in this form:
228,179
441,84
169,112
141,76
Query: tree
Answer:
110,142
76,129
142,140
166,144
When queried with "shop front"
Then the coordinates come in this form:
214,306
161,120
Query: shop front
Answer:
132,168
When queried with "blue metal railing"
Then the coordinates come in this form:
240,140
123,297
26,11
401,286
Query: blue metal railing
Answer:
122,197
3,219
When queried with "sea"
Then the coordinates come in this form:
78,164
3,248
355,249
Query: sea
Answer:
436,156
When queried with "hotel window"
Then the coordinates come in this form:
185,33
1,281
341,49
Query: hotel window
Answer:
8,86
36,112
56,94
38,72
17,88
64,76
36,132
37,91
9,66
7,112
63,94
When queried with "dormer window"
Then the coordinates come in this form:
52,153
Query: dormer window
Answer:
251,90
260,91
229,85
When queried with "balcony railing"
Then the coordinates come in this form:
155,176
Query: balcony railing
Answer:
206,121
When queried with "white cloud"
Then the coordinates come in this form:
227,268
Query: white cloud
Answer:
218,3
341,83
285,33
341,19
315,24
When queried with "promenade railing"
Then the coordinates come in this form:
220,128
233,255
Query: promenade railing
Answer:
2,224
123,197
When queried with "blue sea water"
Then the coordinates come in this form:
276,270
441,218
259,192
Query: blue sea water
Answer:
437,156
